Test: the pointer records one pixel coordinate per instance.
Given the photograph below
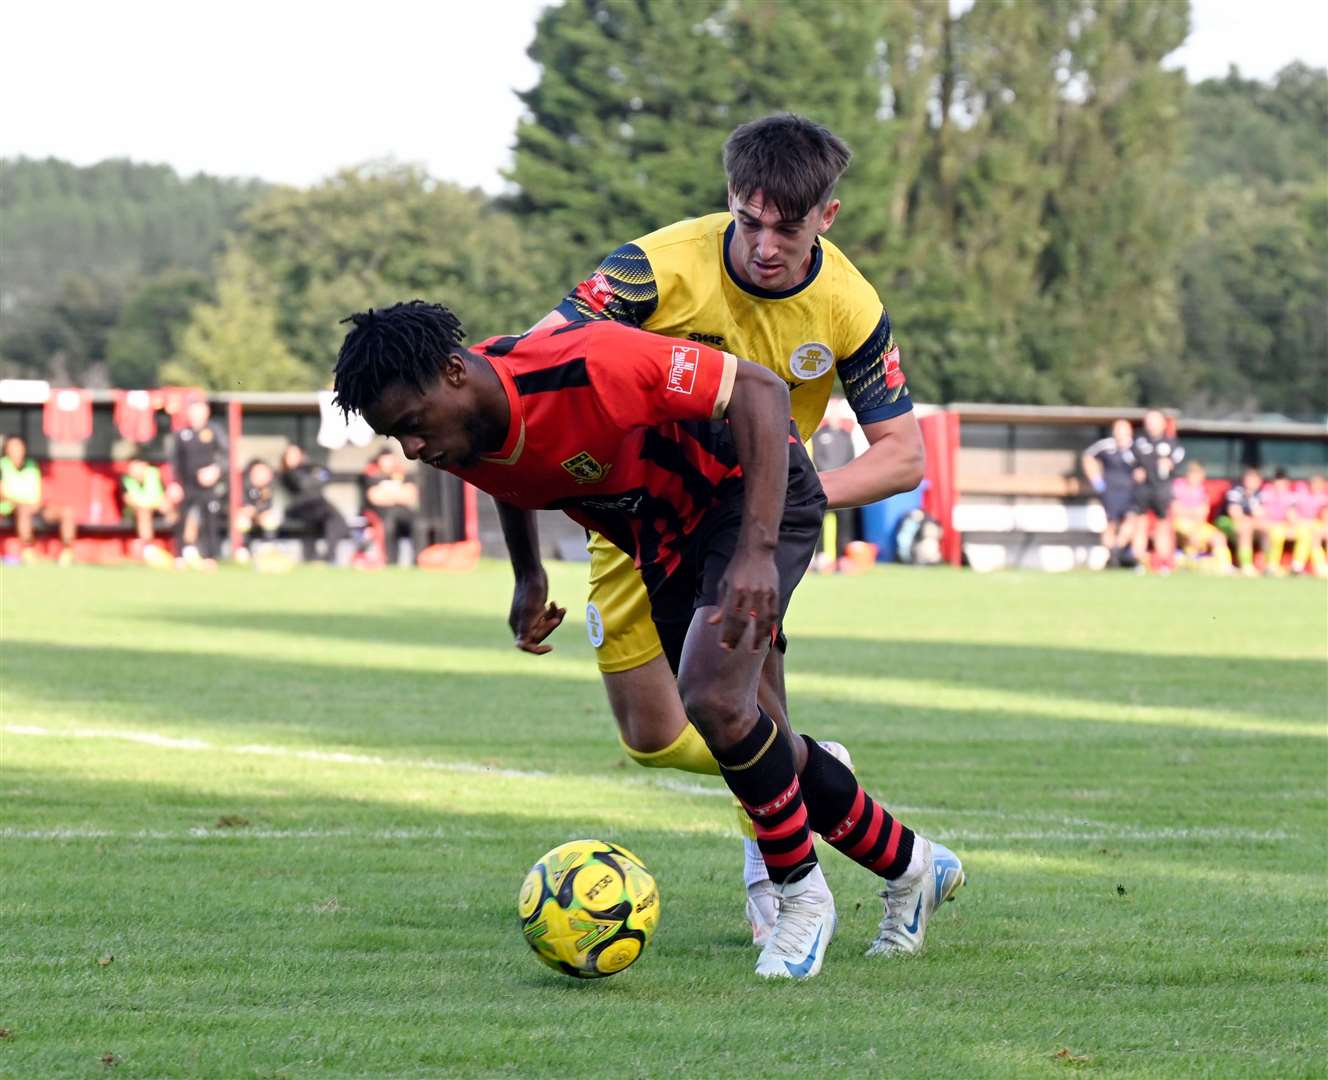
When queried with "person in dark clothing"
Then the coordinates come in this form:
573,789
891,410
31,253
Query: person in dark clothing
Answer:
303,484
1158,455
388,492
832,448
199,460
258,517
1112,471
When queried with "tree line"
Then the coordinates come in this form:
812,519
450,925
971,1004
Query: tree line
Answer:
1051,215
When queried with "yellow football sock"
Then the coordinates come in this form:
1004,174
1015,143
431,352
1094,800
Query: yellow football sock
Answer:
1300,550
687,753
1276,545
745,825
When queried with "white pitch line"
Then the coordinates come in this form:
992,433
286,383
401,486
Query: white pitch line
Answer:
336,757
971,836
1071,828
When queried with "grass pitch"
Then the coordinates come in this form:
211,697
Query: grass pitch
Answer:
274,827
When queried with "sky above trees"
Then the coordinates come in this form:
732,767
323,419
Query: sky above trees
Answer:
291,92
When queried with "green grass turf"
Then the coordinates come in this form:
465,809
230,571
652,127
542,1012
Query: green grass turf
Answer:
1133,771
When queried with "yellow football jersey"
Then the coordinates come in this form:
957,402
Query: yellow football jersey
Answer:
679,281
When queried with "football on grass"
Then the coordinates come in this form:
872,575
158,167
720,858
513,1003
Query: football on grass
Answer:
588,908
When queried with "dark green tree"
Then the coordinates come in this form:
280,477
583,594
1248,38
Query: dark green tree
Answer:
1014,194
373,236
65,339
147,333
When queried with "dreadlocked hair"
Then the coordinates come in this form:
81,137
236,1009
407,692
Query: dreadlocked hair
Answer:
403,343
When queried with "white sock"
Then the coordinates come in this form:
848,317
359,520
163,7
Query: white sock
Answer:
753,866
914,860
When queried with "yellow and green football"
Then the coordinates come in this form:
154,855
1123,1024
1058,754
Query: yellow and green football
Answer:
588,908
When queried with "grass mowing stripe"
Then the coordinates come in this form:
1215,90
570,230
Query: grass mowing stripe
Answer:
1146,889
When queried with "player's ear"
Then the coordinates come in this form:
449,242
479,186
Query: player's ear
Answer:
454,368
828,214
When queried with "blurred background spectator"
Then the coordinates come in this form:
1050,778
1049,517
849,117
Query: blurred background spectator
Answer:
306,506
393,498
143,494
199,461
1243,512
1157,455
1113,471
832,448
257,518
1190,508
21,498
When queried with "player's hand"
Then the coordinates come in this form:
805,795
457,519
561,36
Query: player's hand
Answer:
748,599
533,616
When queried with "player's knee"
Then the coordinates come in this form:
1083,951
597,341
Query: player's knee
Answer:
715,710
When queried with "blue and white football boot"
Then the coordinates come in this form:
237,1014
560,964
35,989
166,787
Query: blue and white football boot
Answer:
802,931
934,875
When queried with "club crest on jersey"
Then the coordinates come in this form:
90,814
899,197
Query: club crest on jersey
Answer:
585,469
811,360
682,369
594,625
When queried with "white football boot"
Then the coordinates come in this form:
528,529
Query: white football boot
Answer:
802,931
933,876
762,896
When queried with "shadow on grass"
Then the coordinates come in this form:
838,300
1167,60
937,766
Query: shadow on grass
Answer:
524,718
1263,687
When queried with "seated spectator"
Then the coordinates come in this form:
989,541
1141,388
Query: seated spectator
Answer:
1280,522
388,492
21,499
258,518
1243,511
144,495
1157,455
1112,471
303,484
1189,519
1312,509
199,461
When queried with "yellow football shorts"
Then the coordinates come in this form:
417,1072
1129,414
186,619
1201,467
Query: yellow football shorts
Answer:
618,619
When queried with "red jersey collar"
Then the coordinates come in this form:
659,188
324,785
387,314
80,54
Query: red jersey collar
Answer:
515,441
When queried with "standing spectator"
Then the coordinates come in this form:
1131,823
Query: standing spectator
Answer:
303,484
1243,513
1157,455
258,517
21,499
389,493
1189,519
1111,467
144,495
832,448
1312,510
200,457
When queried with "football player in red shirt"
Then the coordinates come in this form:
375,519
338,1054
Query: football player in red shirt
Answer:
682,455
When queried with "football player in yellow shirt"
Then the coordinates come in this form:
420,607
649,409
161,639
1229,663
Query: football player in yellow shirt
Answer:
762,282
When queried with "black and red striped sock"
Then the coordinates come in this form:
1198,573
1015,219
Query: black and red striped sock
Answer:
849,819
759,770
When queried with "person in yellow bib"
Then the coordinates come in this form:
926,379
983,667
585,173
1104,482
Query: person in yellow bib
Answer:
21,499
761,281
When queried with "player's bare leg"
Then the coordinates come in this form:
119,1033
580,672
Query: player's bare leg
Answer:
646,705
719,689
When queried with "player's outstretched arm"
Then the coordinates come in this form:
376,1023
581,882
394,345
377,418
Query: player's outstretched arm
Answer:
533,617
758,416
892,462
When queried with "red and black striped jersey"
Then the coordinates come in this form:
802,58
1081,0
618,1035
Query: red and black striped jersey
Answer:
619,428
